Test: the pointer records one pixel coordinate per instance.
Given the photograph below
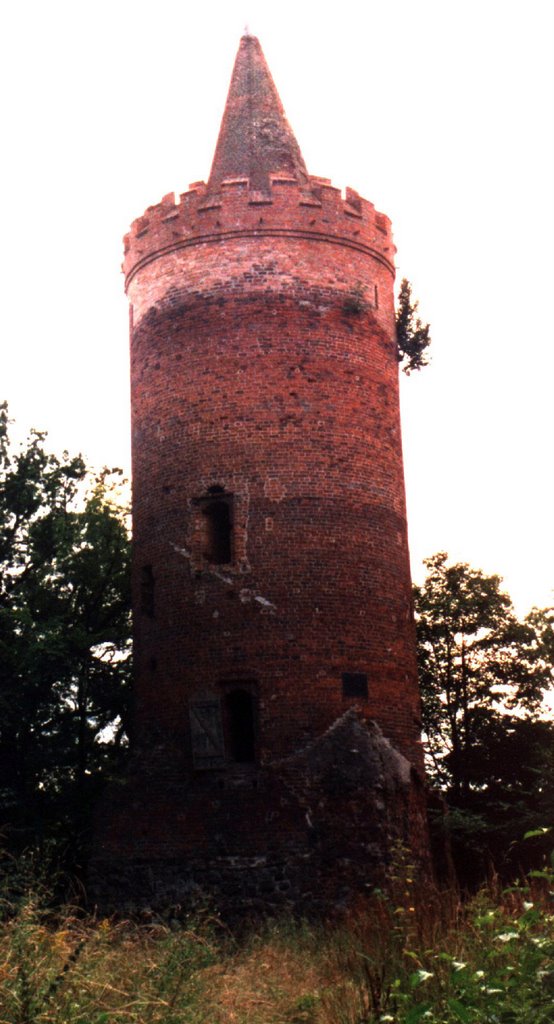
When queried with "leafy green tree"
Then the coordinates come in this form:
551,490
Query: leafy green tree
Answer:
412,336
483,676
64,634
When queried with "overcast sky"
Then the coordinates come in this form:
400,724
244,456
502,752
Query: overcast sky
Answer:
441,113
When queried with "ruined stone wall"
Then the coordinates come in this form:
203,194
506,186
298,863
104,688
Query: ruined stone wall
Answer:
310,833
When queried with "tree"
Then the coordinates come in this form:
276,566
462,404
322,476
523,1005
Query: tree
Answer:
64,634
412,336
483,675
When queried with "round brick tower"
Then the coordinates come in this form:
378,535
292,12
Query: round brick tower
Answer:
272,595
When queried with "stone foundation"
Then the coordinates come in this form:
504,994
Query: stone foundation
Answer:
308,834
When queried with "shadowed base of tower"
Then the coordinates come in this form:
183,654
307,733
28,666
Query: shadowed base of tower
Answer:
307,834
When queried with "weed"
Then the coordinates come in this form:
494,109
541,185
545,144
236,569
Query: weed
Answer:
355,302
403,956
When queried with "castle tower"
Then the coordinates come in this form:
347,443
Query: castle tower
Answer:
272,595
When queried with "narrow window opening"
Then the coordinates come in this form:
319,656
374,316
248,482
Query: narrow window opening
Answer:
147,591
376,293
218,530
239,715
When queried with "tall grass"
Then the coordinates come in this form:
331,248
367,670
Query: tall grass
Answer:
409,955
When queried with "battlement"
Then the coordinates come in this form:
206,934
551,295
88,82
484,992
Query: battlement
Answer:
318,211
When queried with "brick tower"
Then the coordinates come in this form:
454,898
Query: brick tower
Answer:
276,699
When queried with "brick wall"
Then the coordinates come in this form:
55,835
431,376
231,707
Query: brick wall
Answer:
263,363
264,376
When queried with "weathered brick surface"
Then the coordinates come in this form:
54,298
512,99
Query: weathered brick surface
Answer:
263,363
309,832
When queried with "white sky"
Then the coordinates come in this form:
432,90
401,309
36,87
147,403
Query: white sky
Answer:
441,113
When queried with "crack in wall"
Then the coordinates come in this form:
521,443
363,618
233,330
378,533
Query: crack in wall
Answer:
245,595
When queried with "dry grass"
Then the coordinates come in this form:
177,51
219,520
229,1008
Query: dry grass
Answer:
401,958
274,979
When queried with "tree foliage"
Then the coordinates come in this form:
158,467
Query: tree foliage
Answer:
483,675
64,633
412,336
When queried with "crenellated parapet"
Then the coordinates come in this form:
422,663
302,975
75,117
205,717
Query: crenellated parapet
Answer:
318,212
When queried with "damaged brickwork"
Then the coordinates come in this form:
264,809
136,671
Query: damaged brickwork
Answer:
277,723
307,833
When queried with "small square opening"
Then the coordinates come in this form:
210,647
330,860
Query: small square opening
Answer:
354,684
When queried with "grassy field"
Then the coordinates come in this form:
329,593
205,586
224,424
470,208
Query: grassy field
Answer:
412,955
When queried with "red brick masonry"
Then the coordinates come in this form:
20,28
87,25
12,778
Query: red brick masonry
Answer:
264,378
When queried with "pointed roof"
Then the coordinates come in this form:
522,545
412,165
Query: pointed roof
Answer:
255,138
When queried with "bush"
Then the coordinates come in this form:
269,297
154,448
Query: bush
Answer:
413,954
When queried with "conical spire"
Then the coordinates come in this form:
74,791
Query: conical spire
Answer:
255,138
